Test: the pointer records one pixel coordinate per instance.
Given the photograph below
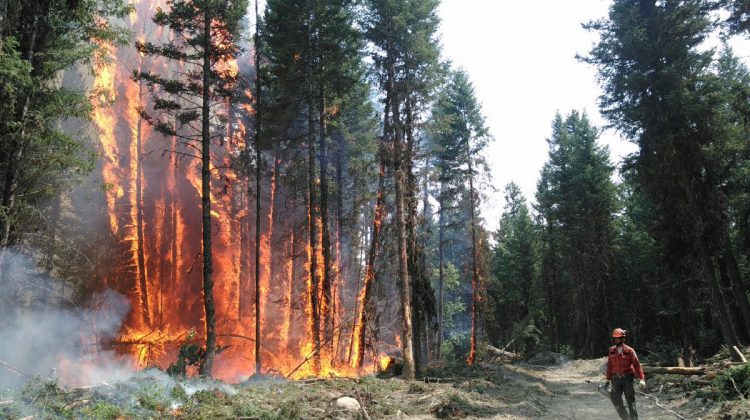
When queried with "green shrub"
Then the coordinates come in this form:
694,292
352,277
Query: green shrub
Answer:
734,383
102,410
153,397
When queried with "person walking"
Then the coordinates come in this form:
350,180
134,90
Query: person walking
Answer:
623,368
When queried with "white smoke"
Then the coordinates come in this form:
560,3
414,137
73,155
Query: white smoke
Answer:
38,338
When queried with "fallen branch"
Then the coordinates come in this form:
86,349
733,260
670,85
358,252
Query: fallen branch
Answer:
734,384
15,370
362,405
502,354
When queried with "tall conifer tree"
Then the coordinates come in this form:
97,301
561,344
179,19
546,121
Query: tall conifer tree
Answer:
206,42
660,92
577,201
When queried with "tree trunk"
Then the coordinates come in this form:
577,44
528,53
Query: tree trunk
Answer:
287,326
313,281
415,251
342,272
141,257
340,208
3,20
403,273
258,157
360,326
738,286
720,310
208,285
401,229
441,273
327,303
173,218
474,268
730,300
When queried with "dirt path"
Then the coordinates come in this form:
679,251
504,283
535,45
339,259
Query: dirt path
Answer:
576,399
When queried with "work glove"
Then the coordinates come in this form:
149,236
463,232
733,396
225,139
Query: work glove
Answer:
642,384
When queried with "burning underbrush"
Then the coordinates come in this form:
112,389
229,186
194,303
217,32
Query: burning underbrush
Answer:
447,392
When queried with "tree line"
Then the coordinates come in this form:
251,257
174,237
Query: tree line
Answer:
662,253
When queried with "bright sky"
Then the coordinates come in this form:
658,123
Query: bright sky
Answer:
521,58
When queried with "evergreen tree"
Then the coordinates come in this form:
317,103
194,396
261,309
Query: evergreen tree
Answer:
40,39
405,55
659,91
205,41
514,288
315,69
39,158
576,202
460,135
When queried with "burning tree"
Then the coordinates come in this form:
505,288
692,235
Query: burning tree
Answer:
406,58
187,105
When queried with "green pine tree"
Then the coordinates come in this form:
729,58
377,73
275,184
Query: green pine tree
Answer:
660,91
576,202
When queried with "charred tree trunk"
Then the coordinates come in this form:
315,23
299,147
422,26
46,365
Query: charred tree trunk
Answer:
342,273
415,251
403,270
286,328
360,326
327,304
407,331
340,207
173,218
141,257
311,219
258,157
208,284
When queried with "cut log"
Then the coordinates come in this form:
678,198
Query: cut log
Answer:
675,370
502,355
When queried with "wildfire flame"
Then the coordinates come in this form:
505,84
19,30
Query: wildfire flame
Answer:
152,210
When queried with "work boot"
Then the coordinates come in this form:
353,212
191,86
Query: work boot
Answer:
633,413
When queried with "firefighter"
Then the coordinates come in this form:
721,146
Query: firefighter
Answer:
623,368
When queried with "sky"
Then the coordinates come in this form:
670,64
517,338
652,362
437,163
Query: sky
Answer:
521,58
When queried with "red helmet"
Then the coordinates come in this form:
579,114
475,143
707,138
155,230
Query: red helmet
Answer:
618,333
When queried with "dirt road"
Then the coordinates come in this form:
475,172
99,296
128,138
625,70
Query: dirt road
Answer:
574,398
